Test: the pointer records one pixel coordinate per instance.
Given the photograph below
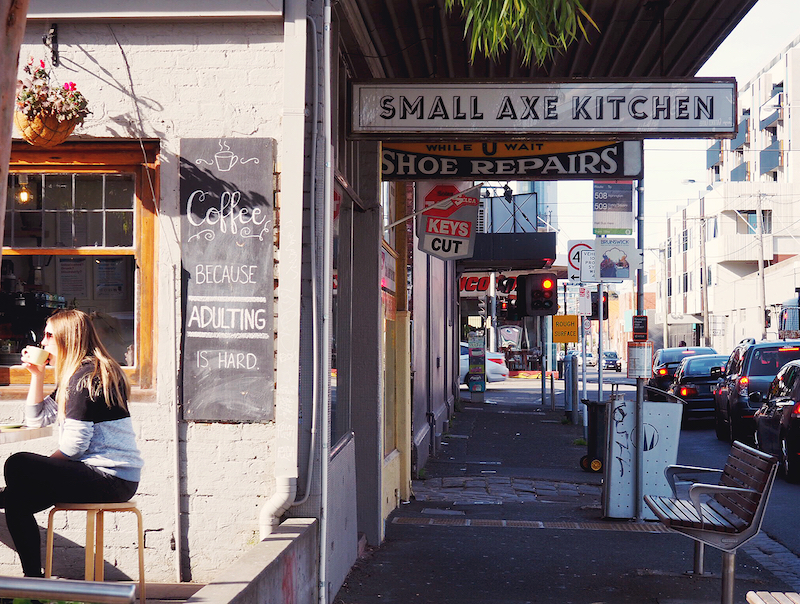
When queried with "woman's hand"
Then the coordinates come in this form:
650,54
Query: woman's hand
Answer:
37,370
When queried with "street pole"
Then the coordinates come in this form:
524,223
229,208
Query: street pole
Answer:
665,295
491,340
704,269
639,465
762,296
600,292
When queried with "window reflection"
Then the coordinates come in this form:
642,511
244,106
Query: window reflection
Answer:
51,219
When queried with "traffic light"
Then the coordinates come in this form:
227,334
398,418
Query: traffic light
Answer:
502,309
512,314
536,294
767,318
595,316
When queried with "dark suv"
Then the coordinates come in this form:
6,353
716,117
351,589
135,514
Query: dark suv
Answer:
750,368
665,363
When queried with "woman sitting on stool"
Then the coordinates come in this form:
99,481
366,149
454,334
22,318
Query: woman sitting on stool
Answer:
97,460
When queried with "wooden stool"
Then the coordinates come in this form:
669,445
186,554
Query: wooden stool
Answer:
94,538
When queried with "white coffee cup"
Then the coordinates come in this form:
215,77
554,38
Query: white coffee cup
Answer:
36,355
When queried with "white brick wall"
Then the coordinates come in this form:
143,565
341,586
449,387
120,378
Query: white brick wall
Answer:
190,80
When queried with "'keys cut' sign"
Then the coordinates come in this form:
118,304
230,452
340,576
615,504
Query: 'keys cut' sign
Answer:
446,229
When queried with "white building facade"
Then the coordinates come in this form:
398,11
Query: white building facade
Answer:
731,256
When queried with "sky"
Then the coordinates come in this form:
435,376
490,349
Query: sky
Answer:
670,164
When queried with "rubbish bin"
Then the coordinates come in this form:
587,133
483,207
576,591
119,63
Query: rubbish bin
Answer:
661,426
596,436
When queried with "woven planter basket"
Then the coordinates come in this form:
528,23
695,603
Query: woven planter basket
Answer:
43,130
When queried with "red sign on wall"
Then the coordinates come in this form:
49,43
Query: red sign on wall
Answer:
447,230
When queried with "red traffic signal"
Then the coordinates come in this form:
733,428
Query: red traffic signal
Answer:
539,294
595,306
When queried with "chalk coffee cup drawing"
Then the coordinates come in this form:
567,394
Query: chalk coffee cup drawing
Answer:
36,355
225,160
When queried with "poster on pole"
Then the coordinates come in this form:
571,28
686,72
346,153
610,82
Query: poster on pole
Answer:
617,258
612,207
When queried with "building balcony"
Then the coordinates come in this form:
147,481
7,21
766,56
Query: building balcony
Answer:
771,158
742,135
741,173
714,155
737,248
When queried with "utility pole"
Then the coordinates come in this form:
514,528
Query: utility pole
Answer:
665,296
704,269
762,296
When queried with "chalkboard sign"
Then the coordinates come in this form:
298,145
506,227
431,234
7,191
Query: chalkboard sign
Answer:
226,235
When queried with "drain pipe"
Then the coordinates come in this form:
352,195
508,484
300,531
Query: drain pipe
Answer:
319,372
287,398
327,295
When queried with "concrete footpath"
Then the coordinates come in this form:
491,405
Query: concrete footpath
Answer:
505,515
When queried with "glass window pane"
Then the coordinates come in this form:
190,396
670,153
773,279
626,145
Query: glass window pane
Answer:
27,229
33,287
88,229
89,191
24,192
57,194
64,238
7,237
50,231
120,191
119,229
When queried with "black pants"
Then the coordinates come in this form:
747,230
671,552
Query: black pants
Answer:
36,482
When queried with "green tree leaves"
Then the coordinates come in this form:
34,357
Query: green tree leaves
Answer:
537,28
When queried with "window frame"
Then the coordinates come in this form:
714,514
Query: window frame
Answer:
97,157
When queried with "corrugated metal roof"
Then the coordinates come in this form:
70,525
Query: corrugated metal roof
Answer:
637,39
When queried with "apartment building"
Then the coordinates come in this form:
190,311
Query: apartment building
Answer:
731,256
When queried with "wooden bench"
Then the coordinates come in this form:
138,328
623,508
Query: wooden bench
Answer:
723,515
772,597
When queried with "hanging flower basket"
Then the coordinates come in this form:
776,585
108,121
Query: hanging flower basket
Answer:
47,114
44,130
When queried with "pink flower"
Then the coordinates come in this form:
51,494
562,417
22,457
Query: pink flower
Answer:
41,64
70,86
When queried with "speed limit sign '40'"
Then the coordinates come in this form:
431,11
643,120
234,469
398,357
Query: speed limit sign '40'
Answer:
616,259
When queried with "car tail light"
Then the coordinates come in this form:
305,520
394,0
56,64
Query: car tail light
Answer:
743,381
498,361
796,410
792,349
688,390
662,371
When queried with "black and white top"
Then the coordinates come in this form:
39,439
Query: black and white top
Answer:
92,432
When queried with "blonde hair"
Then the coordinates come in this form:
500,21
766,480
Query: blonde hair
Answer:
75,340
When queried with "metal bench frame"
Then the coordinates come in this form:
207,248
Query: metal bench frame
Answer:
724,515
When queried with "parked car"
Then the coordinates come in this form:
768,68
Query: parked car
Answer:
694,383
665,363
778,420
496,368
751,368
591,360
611,360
